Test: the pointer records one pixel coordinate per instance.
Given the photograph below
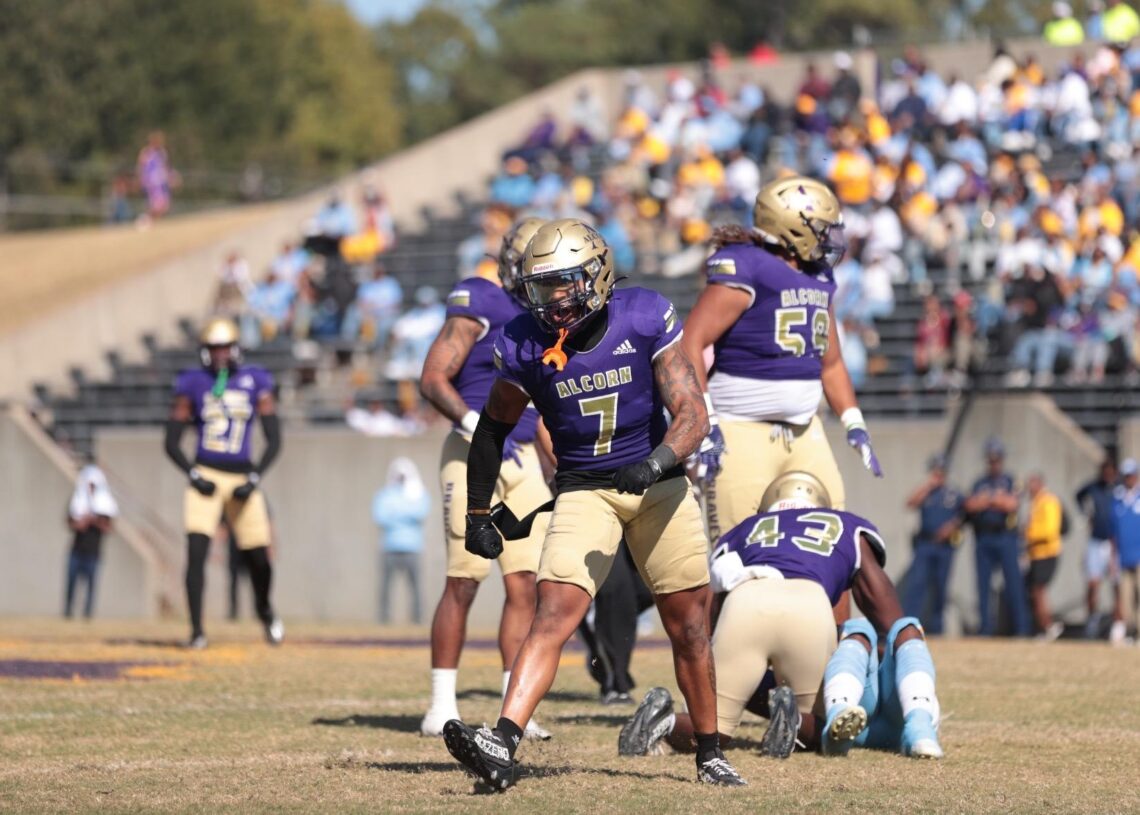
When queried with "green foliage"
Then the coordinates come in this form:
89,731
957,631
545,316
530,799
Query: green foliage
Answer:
294,82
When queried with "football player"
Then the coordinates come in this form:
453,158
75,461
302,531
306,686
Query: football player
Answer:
456,378
601,365
767,311
222,399
777,576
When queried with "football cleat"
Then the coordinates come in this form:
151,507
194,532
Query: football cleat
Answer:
652,721
536,732
843,725
434,720
783,723
718,771
483,752
197,642
274,631
920,737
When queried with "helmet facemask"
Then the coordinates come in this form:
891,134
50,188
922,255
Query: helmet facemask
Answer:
562,299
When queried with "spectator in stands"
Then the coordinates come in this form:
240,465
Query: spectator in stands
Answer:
269,310
587,122
1121,23
477,254
375,419
1126,511
378,216
290,262
119,209
234,286
1094,23
845,88
941,513
1095,500
412,335
377,307
1038,299
513,186
156,178
336,218
1063,29
967,343
399,509
932,342
1043,545
992,511
90,514
878,291
854,351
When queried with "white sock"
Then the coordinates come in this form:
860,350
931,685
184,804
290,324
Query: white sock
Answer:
916,692
443,689
842,690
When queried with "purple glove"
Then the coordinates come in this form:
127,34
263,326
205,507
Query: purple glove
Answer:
512,451
860,441
709,453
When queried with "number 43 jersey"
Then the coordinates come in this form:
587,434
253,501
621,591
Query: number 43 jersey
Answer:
603,409
821,545
223,423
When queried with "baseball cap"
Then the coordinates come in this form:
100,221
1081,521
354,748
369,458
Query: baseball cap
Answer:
994,448
1129,467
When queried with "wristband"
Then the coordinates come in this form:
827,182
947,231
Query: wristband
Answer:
469,422
712,412
852,419
253,478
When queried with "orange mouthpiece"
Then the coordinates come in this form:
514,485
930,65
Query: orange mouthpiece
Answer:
556,356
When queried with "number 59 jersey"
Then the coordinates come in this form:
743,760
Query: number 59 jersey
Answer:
783,334
821,545
223,423
603,409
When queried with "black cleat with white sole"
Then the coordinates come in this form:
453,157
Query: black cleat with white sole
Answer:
719,772
651,722
483,752
783,723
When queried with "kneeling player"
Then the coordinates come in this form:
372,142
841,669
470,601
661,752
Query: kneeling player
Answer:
777,576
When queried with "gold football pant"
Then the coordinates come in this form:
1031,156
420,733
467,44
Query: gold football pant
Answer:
249,519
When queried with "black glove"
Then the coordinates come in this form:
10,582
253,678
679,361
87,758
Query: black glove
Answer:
201,484
637,478
482,538
245,490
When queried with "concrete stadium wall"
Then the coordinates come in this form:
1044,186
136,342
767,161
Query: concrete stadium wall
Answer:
327,548
34,492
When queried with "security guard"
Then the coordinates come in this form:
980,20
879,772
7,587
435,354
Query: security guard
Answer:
941,511
992,509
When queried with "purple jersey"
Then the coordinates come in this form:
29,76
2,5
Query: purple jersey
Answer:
783,334
821,545
224,423
487,304
603,410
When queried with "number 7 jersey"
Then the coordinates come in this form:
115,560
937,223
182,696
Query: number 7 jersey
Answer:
224,423
603,409
821,545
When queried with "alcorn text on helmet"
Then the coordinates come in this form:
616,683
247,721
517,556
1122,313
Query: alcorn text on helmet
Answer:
511,255
568,273
218,332
802,216
795,490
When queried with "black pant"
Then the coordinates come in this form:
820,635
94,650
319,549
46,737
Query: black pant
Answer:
610,641
260,575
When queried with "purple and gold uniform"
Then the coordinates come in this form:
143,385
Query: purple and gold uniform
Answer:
603,411
520,486
224,453
765,381
782,572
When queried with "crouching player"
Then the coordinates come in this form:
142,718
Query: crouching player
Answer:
776,577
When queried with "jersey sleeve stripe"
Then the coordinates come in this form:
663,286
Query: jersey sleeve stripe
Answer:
737,285
667,345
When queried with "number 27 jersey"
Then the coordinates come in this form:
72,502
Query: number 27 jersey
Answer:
223,423
603,409
821,545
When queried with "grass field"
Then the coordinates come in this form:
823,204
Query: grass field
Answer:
326,723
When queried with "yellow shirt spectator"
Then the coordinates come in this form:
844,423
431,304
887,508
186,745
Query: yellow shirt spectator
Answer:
1043,532
1121,23
1066,31
850,173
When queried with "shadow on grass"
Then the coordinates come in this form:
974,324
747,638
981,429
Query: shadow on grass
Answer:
400,723
552,696
413,767
593,718
147,643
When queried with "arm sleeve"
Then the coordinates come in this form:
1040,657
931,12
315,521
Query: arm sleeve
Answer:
271,425
484,460
173,444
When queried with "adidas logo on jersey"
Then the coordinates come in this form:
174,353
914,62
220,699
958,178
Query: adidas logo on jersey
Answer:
625,348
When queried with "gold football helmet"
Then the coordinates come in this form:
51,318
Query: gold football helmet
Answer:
795,490
567,273
802,216
511,255
218,332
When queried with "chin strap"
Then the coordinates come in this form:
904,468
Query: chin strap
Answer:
220,382
556,356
